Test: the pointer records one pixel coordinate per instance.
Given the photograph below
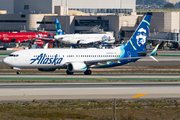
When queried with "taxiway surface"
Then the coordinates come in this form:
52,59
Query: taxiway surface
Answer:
10,92
115,75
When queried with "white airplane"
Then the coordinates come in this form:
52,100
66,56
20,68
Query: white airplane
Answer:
81,60
81,38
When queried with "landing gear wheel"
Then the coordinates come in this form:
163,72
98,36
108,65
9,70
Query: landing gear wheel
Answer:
18,72
87,72
69,73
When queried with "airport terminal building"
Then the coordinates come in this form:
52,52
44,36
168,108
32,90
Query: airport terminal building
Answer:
87,6
117,17
70,24
74,15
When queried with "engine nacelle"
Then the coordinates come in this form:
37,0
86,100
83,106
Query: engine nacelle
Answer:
76,67
39,43
46,69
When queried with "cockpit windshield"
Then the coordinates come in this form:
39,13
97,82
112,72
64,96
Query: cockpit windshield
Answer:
13,55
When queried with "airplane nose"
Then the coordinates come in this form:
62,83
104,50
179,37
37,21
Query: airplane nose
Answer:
5,60
55,37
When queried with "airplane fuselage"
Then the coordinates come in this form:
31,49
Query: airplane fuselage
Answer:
18,37
59,58
85,38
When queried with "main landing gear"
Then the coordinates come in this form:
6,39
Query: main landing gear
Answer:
69,73
18,72
87,72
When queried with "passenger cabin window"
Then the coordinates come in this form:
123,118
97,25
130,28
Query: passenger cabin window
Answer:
13,55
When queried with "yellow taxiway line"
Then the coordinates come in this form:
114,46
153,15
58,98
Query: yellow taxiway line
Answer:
139,95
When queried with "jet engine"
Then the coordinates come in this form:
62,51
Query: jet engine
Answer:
46,69
76,67
39,43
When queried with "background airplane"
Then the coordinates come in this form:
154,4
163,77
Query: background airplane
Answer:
81,38
40,38
81,60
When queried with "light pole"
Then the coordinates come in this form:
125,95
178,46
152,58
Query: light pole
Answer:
66,16
143,5
120,5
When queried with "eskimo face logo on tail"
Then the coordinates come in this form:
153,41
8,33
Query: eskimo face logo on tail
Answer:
141,37
42,59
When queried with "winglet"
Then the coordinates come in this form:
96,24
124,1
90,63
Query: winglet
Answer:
153,53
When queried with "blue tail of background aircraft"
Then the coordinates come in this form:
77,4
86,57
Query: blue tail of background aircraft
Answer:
138,39
59,30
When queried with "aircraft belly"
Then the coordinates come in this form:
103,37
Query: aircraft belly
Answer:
38,66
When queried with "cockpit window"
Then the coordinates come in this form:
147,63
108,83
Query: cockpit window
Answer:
13,55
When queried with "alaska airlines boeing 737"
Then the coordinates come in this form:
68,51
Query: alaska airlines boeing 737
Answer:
81,38
81,60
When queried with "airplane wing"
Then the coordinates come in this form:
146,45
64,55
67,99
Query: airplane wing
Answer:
31,40
91,62
47,39
97,41
43,39
104,61
28,40
117,60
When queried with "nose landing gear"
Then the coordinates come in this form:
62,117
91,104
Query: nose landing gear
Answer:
18,70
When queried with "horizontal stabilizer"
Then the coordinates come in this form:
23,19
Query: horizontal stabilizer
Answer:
144,52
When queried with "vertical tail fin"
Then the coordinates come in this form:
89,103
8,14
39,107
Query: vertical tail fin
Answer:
38,35
138,39
59,30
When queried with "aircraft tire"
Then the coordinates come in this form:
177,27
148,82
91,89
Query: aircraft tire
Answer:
18,72
69,73
87,72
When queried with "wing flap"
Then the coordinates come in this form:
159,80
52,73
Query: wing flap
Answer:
110,60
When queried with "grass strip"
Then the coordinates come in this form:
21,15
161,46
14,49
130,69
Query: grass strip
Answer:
92,110
82,80
4,53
